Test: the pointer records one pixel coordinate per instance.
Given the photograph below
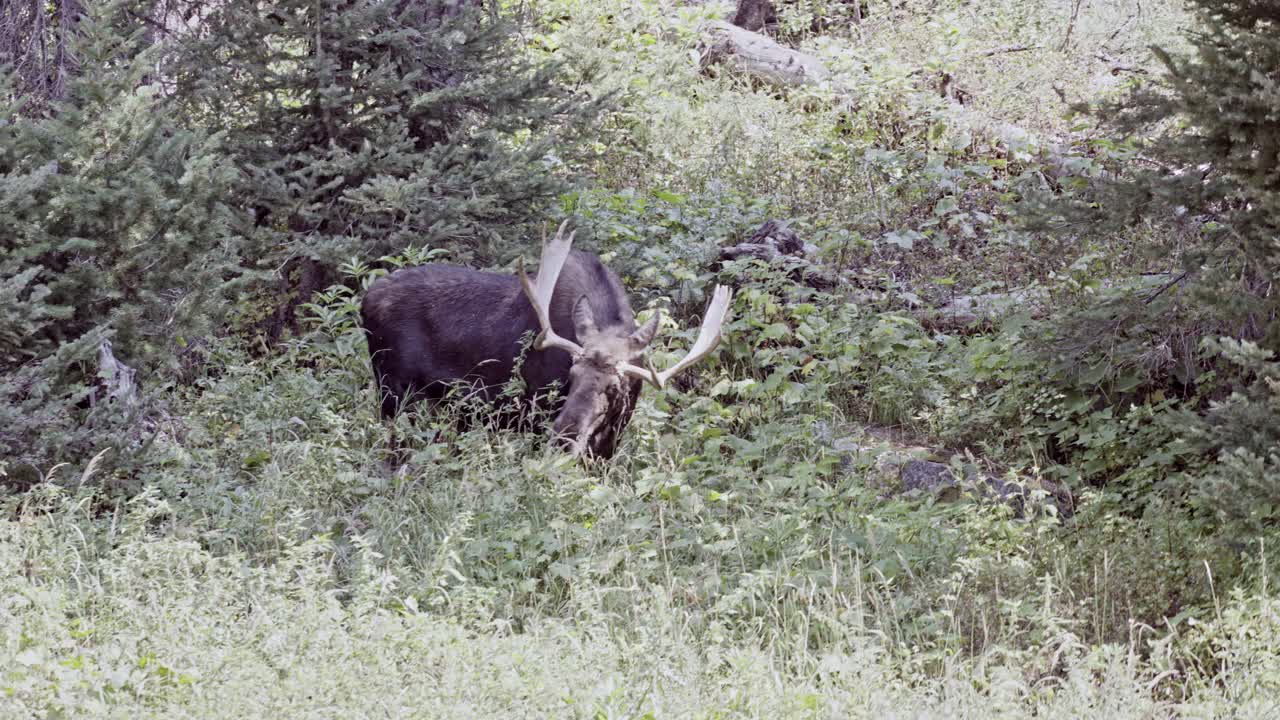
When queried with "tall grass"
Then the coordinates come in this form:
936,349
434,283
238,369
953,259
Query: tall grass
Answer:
127,615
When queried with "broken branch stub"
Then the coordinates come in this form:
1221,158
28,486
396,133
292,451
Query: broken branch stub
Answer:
117,378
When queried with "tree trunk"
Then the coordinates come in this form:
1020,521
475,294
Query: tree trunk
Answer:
300,278
754,14
64,63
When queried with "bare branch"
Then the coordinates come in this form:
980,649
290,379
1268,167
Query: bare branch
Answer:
1117,66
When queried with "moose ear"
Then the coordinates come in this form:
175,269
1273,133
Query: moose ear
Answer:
584,321
644,334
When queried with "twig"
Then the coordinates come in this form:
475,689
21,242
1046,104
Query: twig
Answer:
1162,167
1179,278
1071,26
1117,66
1003,50
1120,28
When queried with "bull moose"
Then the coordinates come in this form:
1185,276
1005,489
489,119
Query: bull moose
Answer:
434,326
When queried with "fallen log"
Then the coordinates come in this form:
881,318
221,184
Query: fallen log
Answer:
970,310
901,468
966,311
776,244
759,57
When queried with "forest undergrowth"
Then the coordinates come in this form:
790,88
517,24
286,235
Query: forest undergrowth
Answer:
246,545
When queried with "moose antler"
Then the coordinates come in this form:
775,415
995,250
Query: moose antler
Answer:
708,338
539,292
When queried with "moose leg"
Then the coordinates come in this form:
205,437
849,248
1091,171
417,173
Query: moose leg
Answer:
417,402
393,400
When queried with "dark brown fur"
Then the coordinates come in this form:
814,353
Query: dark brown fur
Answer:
434,326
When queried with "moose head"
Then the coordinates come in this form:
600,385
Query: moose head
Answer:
604,375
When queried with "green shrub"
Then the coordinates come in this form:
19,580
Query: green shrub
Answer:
367,128
116,227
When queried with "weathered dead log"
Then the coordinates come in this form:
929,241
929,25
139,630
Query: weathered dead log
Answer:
759,57
777,244
903,467
968,311
971,310
770,240
1014,140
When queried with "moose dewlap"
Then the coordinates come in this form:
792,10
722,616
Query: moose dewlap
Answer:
435,326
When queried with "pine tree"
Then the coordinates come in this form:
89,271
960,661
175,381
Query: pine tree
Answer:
364,127
1207,136
115,228
1196,157
186,158
1217,157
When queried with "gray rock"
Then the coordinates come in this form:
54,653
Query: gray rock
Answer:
925,475
902,470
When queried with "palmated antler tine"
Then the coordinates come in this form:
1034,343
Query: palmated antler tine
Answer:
708,337
646,373
539,292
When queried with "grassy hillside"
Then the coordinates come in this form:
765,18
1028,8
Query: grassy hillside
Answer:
749,552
